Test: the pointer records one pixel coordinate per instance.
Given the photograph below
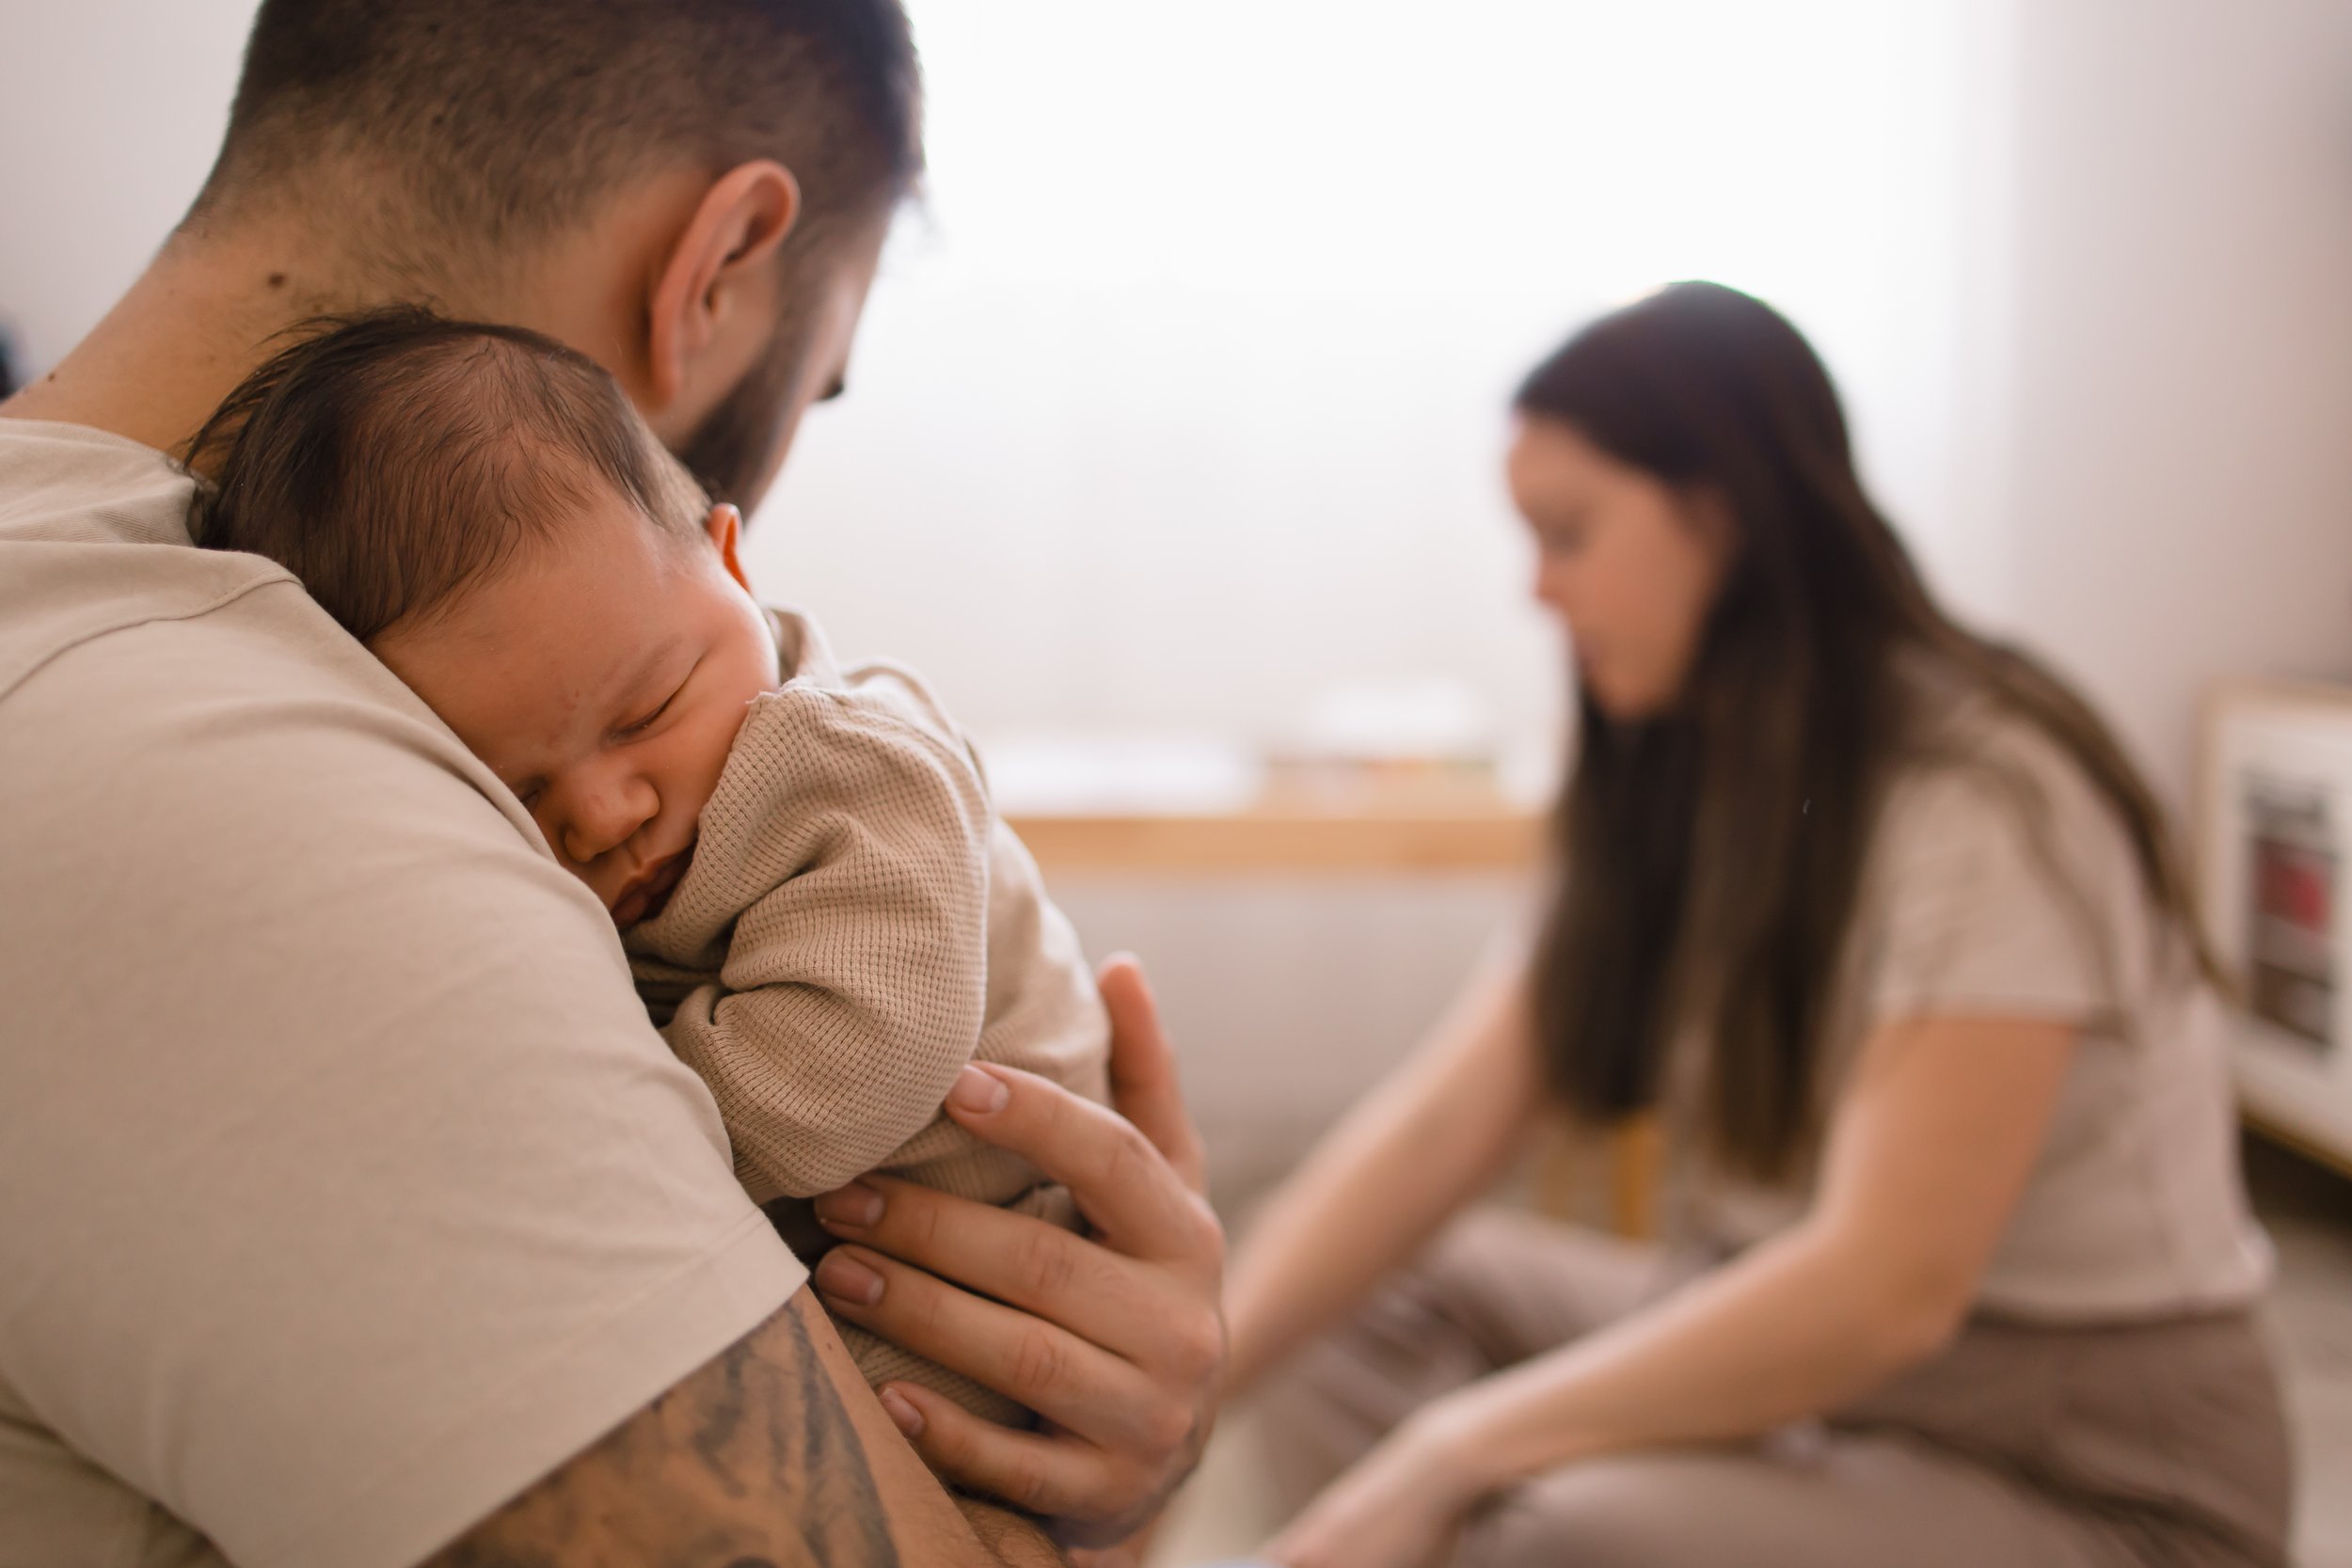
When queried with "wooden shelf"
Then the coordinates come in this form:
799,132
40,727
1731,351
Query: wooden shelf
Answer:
1279,838
2318,1151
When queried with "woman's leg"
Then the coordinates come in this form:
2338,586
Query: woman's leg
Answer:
2039,1448
1496,1287
1853,1501
2117,1446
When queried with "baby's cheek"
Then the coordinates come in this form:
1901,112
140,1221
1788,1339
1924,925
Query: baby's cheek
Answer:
699,771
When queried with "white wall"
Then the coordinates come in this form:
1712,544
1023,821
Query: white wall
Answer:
110,112
2179,450
1190,400
1291,994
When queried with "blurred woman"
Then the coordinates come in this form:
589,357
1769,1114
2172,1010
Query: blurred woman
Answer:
1879,921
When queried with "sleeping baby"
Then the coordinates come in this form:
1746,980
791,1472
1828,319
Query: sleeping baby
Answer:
824,915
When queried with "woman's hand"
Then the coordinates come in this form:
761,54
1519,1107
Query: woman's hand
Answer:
1398,1507
1114,1338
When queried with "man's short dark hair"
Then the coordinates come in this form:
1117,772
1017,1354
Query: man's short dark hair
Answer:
392,460
506,119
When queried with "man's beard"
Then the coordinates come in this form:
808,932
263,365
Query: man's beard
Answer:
732,451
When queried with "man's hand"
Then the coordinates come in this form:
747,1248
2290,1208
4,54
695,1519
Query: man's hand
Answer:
1115,1340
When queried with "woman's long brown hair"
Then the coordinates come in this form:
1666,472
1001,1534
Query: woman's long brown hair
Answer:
1712,858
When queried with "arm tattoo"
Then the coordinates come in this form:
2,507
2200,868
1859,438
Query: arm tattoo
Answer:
752,1461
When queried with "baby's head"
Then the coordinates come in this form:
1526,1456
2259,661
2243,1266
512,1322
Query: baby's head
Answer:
482,507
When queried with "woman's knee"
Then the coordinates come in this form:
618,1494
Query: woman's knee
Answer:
1646,1512
1405,1344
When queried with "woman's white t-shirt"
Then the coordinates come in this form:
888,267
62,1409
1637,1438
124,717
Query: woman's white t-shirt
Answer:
2000,884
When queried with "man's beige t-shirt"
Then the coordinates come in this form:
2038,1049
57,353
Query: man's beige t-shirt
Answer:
344,1189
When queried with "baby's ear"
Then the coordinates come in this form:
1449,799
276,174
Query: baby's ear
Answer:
725,527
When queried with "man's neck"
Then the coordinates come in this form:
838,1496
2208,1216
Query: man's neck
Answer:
195,325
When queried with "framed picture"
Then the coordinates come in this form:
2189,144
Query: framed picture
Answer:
2274,863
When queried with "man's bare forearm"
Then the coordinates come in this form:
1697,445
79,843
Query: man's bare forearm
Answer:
759,1459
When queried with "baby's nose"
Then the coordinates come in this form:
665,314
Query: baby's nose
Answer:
606,815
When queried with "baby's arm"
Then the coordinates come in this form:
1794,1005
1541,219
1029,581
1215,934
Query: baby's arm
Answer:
854,983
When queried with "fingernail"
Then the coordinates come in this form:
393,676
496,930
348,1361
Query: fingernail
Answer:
847,1280
902,1414
856,1207
978,1092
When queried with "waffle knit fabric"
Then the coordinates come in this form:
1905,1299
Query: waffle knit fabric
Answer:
856,925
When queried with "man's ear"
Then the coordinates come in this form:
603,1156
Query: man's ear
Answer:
725,527
717,269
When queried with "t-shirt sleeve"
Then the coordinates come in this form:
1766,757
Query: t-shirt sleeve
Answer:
345,1190
854,841
2002,886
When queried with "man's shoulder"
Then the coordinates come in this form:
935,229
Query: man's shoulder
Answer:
93,540
172,719
115,629
77,485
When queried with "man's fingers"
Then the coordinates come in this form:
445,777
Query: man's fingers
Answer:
1052,1371
1015,1259
1115,1338
1121,1182
1144,1084
1043,1474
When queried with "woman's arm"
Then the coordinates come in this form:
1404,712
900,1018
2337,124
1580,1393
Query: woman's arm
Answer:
1411,1155
1927,1153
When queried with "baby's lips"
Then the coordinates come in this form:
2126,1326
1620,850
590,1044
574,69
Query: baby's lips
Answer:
643,900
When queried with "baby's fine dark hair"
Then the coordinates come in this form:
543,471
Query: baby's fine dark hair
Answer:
392,459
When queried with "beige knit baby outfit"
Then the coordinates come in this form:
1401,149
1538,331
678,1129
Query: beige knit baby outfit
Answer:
855,926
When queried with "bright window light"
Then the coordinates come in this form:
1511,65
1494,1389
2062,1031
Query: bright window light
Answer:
1182,401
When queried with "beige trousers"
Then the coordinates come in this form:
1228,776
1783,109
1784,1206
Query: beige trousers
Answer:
2022,1446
